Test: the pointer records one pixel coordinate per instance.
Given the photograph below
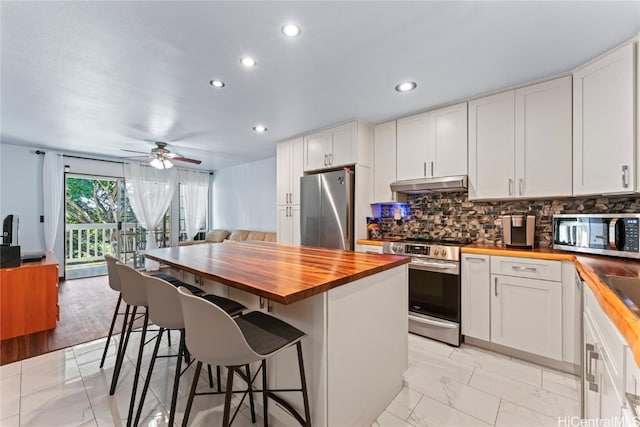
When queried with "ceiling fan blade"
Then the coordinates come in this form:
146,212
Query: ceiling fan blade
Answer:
134,151
184,159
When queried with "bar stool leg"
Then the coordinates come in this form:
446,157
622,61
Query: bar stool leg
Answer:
176,381
138,365
148,379
122,346
265,397
227,397
210,376
250,386
113,323
192,393
303,383
218,373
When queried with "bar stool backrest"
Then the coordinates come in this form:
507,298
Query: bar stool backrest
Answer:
164,305
212,336
114,279
132,285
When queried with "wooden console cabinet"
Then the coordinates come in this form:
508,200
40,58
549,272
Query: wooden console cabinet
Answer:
29,297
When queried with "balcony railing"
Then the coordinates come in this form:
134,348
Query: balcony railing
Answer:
87,243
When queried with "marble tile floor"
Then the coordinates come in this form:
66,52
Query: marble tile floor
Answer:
444,386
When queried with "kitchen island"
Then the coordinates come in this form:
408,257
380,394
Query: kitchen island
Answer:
353,307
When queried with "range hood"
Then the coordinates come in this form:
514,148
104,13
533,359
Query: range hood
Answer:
431,185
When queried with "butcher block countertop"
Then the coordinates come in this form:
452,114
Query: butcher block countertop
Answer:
592,269
281,273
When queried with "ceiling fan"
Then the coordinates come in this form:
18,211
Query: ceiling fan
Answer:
161,156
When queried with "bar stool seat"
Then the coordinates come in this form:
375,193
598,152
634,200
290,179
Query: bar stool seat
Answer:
233,308
177,283
267,334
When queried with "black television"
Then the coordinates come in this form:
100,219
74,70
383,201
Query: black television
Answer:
10,230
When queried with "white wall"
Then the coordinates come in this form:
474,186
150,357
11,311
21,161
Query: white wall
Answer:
244,197
21,193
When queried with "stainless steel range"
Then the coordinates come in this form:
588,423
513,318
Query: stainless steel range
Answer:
434,287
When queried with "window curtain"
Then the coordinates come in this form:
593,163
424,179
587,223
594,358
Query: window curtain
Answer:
150,191
53,192
195,188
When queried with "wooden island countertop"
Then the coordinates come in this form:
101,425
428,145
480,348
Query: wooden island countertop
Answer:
593,269
281,273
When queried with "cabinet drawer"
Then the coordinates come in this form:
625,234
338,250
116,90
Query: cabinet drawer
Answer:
526,267
613,344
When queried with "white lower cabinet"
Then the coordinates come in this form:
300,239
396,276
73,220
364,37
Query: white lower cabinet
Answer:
370,249
519,303
603,365
289,224
476,301
526,314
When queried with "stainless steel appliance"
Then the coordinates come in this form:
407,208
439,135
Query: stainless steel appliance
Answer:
434,287
326,209
518,230
602,234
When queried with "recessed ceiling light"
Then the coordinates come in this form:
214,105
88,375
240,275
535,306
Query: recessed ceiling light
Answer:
247,61
406,86
217,83
291,30
260,128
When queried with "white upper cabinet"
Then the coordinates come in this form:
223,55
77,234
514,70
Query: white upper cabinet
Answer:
448,141
384,161
603,124
491,146
412,150
433,144
520,142
289,171
543,139
342,145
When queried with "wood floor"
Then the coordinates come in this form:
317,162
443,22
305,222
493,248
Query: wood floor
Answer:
86,308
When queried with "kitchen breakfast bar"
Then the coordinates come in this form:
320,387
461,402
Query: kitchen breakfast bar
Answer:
352,306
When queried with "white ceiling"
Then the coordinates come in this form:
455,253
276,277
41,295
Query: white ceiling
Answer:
97,77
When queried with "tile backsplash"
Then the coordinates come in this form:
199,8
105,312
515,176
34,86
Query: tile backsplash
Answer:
454,215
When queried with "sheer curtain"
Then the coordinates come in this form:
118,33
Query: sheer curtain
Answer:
150,191
53,192
195,188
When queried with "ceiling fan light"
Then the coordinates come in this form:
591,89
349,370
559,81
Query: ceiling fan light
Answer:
161,163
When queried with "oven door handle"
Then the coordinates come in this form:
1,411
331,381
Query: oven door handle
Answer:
430,266
431,322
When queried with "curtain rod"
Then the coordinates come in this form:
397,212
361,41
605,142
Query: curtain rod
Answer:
83,158
101,160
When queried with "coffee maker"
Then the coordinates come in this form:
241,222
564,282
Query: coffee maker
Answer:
519,230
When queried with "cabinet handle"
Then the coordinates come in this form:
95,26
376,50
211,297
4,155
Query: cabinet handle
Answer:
495,286
325,160
521,186
471,259
625,174
510,187
424,168
524,269
432,169
593,387
330,159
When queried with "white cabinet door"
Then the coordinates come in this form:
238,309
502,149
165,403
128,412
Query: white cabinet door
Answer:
476,300
296,170
284,224
491,147
294,217
384,161
526,314
603,125
283,172
412,134
344,147
447,142
591,371
543,141
317,147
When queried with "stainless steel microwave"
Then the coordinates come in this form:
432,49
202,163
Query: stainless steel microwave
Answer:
601,234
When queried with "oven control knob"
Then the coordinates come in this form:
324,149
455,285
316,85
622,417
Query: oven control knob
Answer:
398,248
436,252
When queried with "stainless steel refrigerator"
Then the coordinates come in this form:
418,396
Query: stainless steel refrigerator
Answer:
326,209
